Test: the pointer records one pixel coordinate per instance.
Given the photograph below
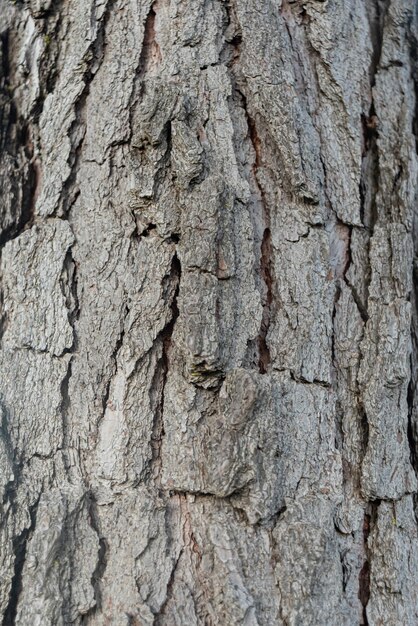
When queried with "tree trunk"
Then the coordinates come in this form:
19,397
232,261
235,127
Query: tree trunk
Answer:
209,328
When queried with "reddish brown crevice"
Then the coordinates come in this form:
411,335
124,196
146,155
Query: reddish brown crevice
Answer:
151,53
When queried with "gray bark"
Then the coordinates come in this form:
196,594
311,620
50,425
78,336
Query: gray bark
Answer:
209,326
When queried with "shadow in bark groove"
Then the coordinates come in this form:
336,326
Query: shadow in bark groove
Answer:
20,544
101,560
161,372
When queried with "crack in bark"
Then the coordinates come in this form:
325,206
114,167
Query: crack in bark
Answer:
137,83
157,621
27,216
68,283
7,110
77,130
266,272
411,428
151,53
162,368
412,38
412,386
266,263
369,180
337,296
114,361
266,251
64,409
101,559
233,38
370,173
10,489
195,554
303,381
164,338
48,69
377,25
412,434
149,59
20,544
369,522
360,307
413,46
364,575
30,184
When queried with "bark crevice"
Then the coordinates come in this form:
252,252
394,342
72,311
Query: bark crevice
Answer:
101,564
20,543
77,131
162,368
266,263
369,522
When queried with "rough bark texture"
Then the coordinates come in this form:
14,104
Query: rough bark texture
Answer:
209,325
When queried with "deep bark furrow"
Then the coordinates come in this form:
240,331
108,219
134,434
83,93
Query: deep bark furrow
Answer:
364,576
101,561
19,548
162,369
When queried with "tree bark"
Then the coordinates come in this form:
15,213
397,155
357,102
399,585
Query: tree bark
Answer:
209,324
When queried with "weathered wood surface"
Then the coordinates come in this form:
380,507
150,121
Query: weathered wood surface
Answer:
209,329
